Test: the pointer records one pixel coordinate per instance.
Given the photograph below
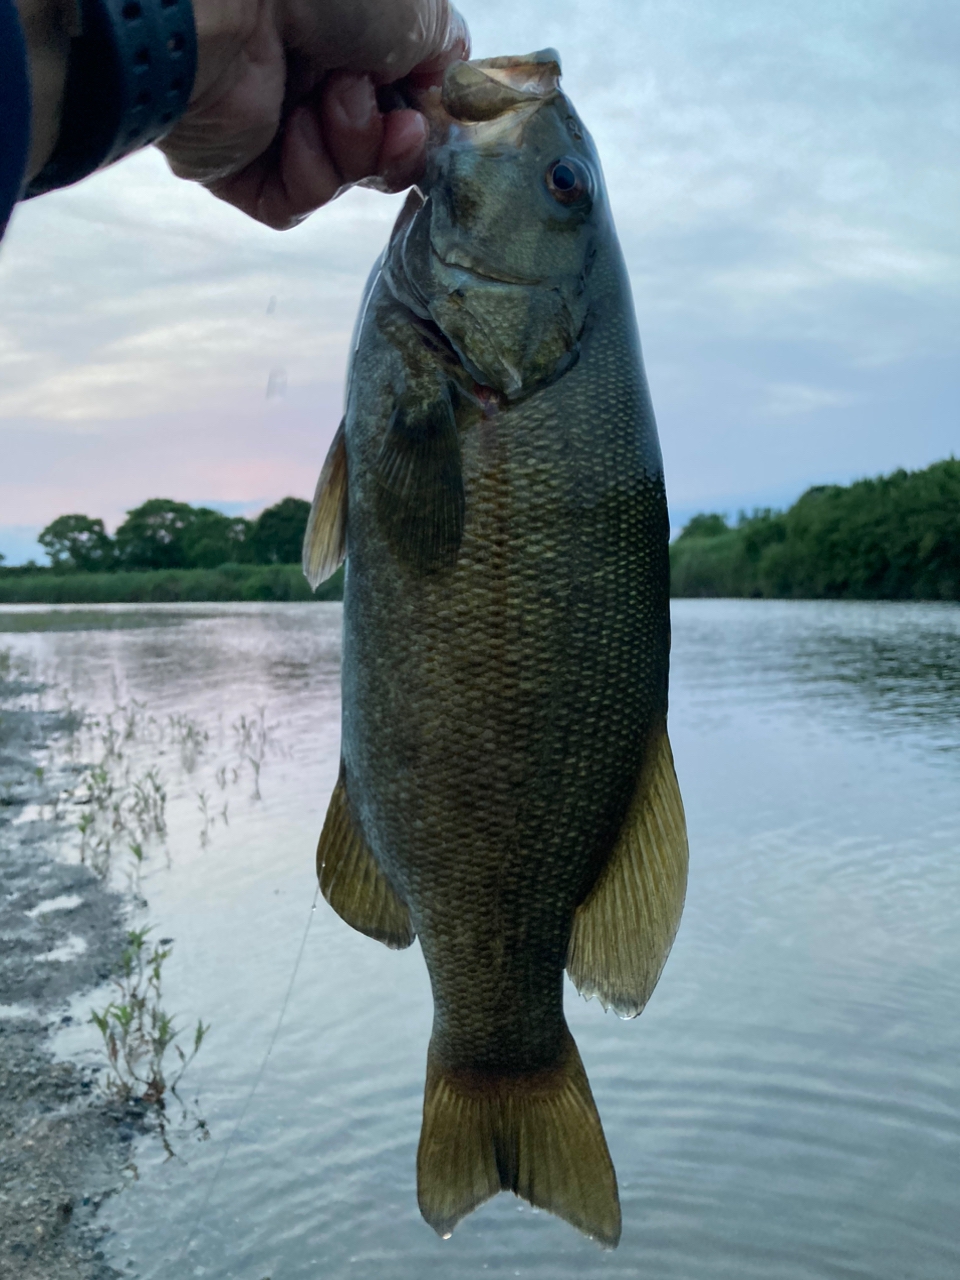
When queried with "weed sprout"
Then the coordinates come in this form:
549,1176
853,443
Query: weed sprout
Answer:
137,1031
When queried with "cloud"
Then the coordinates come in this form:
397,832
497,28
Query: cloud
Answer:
785,187
135,294
787,398
237,452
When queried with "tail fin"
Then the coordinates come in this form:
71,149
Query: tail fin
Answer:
537,1135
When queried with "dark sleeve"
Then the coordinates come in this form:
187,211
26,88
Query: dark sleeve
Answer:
14,110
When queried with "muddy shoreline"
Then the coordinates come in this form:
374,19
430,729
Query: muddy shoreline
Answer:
63,1143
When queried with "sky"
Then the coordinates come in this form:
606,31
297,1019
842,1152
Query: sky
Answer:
786,187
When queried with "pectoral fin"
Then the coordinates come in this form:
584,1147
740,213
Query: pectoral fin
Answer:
351,881
419,484
625,927
325,541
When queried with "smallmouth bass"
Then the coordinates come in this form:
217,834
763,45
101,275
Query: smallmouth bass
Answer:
507,791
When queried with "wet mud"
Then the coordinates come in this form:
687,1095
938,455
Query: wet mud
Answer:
64,1143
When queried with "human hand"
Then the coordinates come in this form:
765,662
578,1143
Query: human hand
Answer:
284,114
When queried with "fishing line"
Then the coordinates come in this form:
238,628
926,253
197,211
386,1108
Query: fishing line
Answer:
215,1177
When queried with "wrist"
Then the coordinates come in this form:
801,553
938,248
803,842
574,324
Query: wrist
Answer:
225,28
48,27
129,73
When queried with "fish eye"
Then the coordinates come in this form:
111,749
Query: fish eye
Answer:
567,180
563,177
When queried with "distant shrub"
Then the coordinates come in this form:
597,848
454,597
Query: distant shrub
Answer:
894,537
225,583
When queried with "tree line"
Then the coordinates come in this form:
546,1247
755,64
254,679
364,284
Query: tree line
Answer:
894,537
163,534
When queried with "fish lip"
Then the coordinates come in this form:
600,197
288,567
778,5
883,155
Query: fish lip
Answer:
457,262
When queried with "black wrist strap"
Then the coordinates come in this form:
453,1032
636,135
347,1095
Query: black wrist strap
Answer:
128,82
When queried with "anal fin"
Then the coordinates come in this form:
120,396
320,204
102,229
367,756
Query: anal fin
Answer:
351,881
325,540
625,927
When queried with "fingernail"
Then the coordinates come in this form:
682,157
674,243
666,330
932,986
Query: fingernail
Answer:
418,129
357,100
459,38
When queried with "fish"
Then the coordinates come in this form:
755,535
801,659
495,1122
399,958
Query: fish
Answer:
507,792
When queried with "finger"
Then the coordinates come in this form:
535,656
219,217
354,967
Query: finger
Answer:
351,125
455,48
291,180
403,150
385,40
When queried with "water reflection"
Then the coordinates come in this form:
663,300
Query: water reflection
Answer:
894,666
20,619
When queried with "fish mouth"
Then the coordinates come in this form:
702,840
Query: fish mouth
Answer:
481,91
454,260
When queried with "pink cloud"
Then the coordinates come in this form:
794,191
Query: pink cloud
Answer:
239,453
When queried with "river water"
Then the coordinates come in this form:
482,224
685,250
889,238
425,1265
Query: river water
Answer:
788,1105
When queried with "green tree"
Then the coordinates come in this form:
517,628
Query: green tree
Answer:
277,536
705,526
211,539
894,537
152,536
77,542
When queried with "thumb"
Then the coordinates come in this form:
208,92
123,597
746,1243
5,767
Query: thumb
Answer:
390,40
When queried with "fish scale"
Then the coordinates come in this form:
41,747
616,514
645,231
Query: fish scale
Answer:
507,791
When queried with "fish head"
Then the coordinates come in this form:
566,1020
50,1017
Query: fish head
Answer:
495,246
